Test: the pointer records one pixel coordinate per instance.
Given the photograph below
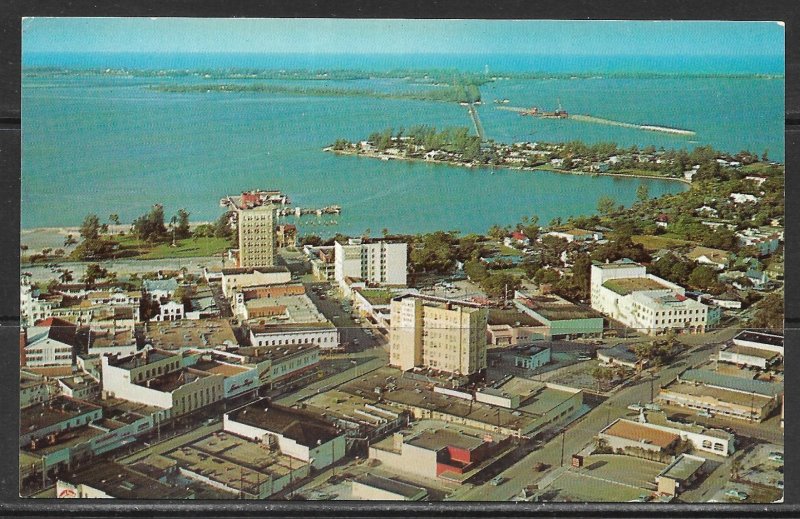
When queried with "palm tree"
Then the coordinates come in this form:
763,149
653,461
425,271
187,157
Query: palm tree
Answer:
66,276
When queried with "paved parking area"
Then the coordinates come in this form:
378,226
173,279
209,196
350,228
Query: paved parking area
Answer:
606,478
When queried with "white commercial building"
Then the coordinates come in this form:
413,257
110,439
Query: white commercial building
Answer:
625,292
325,335
376,263
295,432
239,278
170,311
161,379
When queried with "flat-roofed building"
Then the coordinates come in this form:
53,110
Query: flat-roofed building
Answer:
324,334
680,474
80,386
770,341
434,450
747,356
702,438
234,279
160,290
277,304
519,407
243,468
624,291
256,228
726,395
54,416
358,416
182,335
295,432
377,488
35,389
625,434
108,341
442,334
323,266
562,319
376,262
282,365
513,327
160,378
110,480
660,435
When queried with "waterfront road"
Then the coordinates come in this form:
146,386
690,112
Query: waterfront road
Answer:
123,267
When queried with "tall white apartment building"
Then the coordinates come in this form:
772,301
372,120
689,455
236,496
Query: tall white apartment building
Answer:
625,292
256,235
437,333
377,262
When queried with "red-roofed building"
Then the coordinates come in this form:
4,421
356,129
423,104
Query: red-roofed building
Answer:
517,237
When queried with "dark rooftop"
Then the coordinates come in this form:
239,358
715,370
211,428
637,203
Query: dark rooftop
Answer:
772,339
123,483
56,410
392,485
250,270
511,318
303,427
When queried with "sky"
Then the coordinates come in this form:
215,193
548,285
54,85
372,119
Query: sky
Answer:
537,37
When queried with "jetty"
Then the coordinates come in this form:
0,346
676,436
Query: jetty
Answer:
560,114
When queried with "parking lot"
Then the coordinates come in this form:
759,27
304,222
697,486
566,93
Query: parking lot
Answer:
608,478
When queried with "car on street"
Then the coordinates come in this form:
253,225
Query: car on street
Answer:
736,494
776,456
704,414
497,480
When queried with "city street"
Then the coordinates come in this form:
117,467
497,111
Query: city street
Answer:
581,433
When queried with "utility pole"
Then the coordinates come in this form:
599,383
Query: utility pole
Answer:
652,389
563,434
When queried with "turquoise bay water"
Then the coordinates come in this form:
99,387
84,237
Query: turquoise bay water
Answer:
109,145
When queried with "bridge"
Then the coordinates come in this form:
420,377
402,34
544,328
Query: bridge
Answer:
476,121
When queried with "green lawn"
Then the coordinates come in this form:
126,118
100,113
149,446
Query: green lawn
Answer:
187,248
509,251
659,242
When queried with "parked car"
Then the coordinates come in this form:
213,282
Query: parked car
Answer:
704,414
736,494
776,456
497,480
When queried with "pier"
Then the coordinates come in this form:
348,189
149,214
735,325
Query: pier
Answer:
303,211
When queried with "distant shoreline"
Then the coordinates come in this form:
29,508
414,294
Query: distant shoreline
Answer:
388,157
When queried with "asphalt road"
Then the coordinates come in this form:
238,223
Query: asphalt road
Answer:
580,434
